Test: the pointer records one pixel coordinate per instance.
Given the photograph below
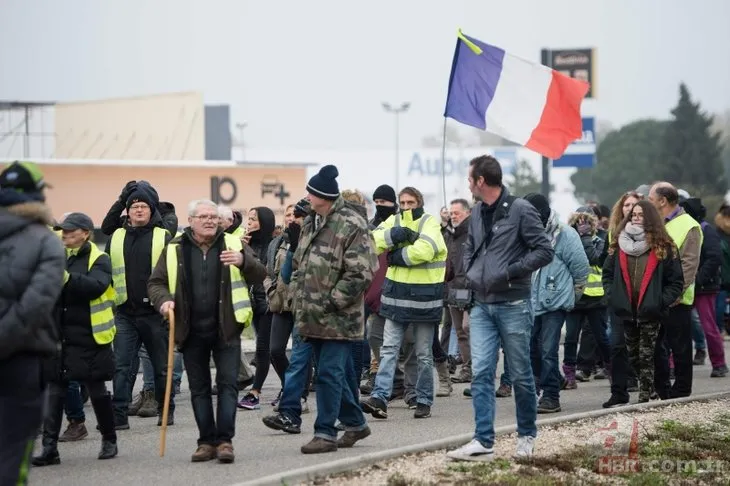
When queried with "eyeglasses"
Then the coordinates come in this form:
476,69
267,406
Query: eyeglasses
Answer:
207,217
140,207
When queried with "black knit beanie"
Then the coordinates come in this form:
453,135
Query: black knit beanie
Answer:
324,183
386,193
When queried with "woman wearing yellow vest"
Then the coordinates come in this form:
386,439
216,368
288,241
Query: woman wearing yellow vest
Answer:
85,322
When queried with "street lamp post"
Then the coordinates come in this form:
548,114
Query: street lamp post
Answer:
240,143
397,111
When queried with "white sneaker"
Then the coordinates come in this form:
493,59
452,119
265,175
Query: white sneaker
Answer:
473,451
525,446
305,406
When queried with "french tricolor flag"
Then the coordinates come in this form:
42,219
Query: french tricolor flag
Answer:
524,102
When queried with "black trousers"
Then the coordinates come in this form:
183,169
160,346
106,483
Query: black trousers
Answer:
197,350
675,337
282,325
21,412
101,400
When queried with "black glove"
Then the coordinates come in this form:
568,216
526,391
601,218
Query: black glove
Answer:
302,208
292,232
395,258
127,191
401,234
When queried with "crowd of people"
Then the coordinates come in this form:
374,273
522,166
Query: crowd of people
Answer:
362,302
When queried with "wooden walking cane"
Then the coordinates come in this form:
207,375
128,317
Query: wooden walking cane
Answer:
168,383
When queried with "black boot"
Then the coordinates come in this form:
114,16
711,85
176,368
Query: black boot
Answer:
52,423
105,416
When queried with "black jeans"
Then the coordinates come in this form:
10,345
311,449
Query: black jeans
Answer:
675,336
281,329
262,325
132,332
196,352
21,412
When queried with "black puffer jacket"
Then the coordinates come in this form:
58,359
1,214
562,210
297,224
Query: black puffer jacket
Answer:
82,358
32,262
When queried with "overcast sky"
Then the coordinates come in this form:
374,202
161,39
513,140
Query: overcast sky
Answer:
312,74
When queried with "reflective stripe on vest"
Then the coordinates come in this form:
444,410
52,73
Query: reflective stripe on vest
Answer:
594,285
239,290
101,309
119,270
678,229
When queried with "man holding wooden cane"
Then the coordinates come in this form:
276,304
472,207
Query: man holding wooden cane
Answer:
203,275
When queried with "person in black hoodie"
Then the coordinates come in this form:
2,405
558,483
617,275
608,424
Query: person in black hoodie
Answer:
707,286
642,278
134,250
261,223
164,216
86,353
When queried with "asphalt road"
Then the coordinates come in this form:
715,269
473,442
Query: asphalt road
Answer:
261,451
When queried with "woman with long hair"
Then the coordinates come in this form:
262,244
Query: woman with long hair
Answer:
642,278
261,224
621,210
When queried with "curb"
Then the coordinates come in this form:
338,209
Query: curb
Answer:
318,471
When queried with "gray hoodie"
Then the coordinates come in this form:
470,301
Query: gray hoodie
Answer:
32,260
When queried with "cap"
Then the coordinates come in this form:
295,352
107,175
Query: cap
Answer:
23,177
76,221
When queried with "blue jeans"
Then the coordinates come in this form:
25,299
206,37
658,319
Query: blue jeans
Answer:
573,325
453,342
698,335
296,379
544,352
393,336
512,323
132,332
148,375
334,396
74,404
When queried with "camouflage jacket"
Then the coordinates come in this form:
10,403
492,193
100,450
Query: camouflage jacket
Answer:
333,267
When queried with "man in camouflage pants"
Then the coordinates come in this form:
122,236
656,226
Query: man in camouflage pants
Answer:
332,268
641,340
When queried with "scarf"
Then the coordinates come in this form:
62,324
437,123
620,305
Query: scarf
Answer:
632,240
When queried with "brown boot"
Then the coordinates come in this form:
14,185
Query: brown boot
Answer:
136,404
319,445
204,452
76,430
349,438
149,405
225,453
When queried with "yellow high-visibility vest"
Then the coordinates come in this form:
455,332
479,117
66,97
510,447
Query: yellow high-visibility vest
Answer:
678,229
119,270
239,290
594,284
102,308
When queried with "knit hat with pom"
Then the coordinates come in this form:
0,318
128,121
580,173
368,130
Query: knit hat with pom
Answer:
324,183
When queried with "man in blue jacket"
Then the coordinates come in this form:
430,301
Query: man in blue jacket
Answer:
556,288
506,243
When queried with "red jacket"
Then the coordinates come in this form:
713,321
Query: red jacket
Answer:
372,296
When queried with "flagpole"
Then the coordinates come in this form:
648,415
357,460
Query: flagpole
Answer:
443,163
